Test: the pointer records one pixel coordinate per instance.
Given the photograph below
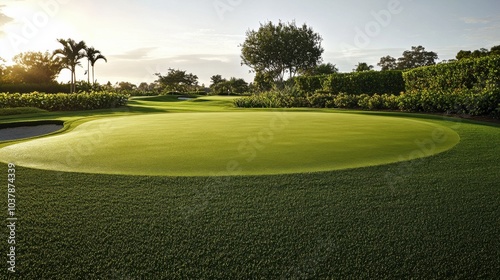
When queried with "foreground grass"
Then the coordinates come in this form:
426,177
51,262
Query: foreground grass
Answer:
437,217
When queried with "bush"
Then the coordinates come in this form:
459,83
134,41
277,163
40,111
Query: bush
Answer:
369,82
27,88
320,100
309,84
475,73
63,101
347,101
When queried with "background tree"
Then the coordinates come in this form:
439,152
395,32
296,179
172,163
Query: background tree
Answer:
388,63
231,86
177,80
495,50
416,57
363,66
33,68
277,50
322,69
71,54
216,79
93,56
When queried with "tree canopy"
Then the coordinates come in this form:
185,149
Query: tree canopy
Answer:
71,53
416,57
33,68
275,50
478,53
363,66
177,80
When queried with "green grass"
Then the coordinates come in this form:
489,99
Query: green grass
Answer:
235,143
433,217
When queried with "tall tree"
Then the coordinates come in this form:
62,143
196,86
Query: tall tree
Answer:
34,68
216,79
284,48
71,54
93,56
322,69
388,63
177,80
416,57
363,66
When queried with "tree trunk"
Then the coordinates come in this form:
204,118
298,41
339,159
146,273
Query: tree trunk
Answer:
88,71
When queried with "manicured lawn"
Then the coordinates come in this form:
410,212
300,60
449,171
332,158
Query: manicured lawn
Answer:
232,143
433,217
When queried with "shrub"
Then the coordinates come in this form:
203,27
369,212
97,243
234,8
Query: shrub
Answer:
320,100
27,88
474,73
343,100
368,82
63,101
309,84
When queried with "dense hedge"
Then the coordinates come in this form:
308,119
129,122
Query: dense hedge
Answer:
63,101
27,88
464,74
368,82
465,101
309,84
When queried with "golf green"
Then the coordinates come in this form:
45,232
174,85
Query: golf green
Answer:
232,143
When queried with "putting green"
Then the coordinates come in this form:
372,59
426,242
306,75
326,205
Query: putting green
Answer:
233,143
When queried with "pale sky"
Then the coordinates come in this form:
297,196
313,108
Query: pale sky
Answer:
144,37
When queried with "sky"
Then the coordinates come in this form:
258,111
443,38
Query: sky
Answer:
144,37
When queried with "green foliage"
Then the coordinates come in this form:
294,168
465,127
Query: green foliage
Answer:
286,98
495,50
363,66
232,87
368,82
63,101
464,101
414,58
27,88
20,111
284,48
177,80
70,55
309,84
464,74
33,68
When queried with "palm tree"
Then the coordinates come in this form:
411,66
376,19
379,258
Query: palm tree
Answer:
93,55
71,54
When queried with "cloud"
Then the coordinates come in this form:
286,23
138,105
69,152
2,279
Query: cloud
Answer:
140,53
477,20
486,30
4,19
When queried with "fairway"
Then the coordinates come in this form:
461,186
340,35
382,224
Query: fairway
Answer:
232,143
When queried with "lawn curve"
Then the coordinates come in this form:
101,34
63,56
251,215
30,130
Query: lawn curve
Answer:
232,143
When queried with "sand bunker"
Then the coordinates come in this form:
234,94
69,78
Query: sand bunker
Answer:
16,131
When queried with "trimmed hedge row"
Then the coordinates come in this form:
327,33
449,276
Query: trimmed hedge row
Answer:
27,88
475,73
463,101
369,82
63,101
